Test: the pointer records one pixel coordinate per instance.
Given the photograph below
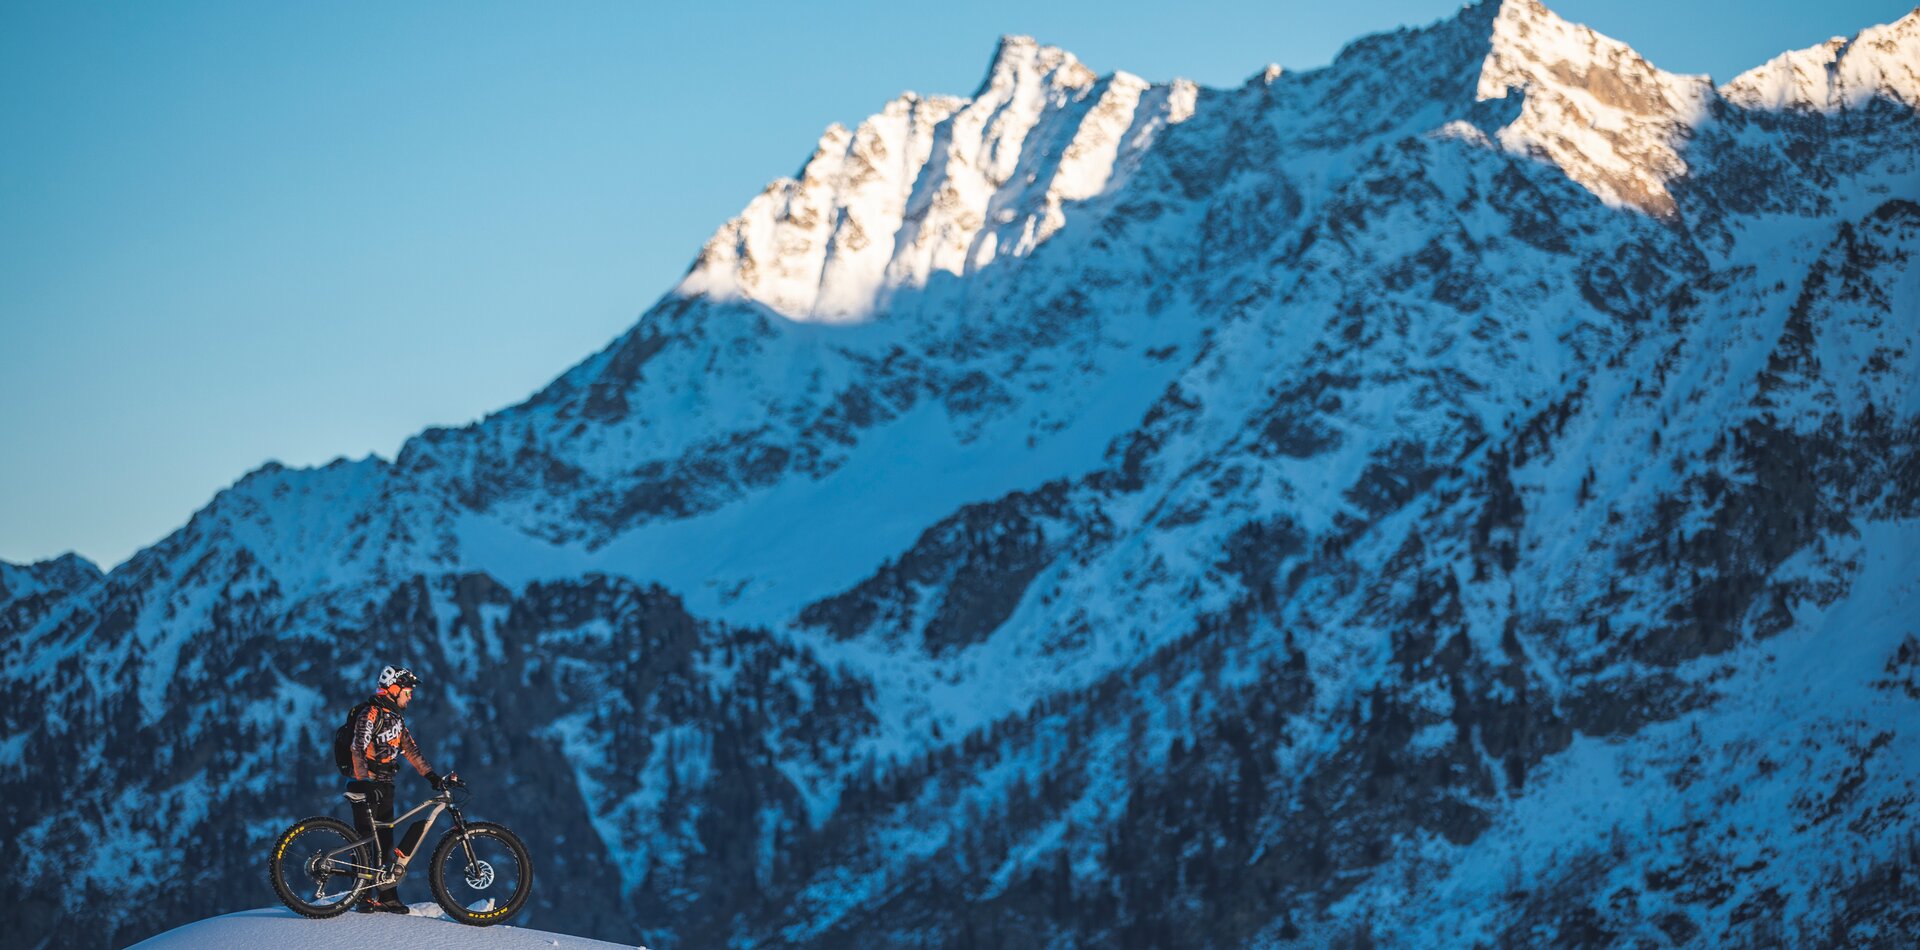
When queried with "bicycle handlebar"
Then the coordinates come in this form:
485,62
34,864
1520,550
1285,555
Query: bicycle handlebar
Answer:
448,785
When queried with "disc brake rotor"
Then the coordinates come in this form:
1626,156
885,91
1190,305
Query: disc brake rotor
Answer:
479,875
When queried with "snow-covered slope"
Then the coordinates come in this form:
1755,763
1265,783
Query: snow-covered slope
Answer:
284,930
1100,512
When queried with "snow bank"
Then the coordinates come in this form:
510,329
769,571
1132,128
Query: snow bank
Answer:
426,929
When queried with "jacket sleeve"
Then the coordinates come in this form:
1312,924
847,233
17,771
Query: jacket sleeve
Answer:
411,750
362,737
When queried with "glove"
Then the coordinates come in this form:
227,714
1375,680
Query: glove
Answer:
439,784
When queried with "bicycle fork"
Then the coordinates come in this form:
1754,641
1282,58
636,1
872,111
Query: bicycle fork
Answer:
466,842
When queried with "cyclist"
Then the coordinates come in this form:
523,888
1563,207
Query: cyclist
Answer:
380,738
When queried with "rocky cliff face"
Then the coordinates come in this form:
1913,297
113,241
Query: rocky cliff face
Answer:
1466,493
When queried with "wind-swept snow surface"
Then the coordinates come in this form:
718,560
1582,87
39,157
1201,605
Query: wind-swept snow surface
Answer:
277,929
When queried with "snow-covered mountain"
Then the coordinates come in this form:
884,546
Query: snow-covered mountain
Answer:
29,591
1465,493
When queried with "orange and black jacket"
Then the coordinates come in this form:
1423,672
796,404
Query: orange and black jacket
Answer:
380,738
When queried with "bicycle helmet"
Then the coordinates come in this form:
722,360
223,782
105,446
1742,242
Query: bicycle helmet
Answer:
401,677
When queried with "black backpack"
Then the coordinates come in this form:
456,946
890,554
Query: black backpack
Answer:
343,740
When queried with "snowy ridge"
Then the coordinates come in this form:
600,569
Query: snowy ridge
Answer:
1593,106
1881,62
1056,498
29,592
64,574
936,185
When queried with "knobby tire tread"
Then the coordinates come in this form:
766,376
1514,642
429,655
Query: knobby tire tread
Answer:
436,875
280,888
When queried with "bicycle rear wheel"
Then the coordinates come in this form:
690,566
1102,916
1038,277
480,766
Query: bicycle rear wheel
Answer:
306,880
482,876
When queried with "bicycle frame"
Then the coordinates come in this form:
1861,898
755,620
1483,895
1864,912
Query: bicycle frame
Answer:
439,803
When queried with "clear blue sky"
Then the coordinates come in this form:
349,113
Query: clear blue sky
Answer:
233,232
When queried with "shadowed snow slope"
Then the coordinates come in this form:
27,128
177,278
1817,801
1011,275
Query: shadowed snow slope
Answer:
1092,512
275,929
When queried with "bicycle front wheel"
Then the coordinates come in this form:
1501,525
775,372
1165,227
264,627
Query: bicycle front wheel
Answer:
482,875
310,881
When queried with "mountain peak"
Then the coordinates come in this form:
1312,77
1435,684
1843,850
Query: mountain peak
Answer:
940,184
1019,58
1839,74
1593,106
1531,46
1319,460
58,575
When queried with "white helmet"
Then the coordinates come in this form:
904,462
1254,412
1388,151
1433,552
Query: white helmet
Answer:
402,677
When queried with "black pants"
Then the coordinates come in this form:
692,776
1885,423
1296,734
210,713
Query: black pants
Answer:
378,806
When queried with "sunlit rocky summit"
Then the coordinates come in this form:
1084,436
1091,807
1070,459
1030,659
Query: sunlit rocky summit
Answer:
1467,493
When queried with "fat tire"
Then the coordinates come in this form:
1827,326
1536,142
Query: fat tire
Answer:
285,893
436,875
